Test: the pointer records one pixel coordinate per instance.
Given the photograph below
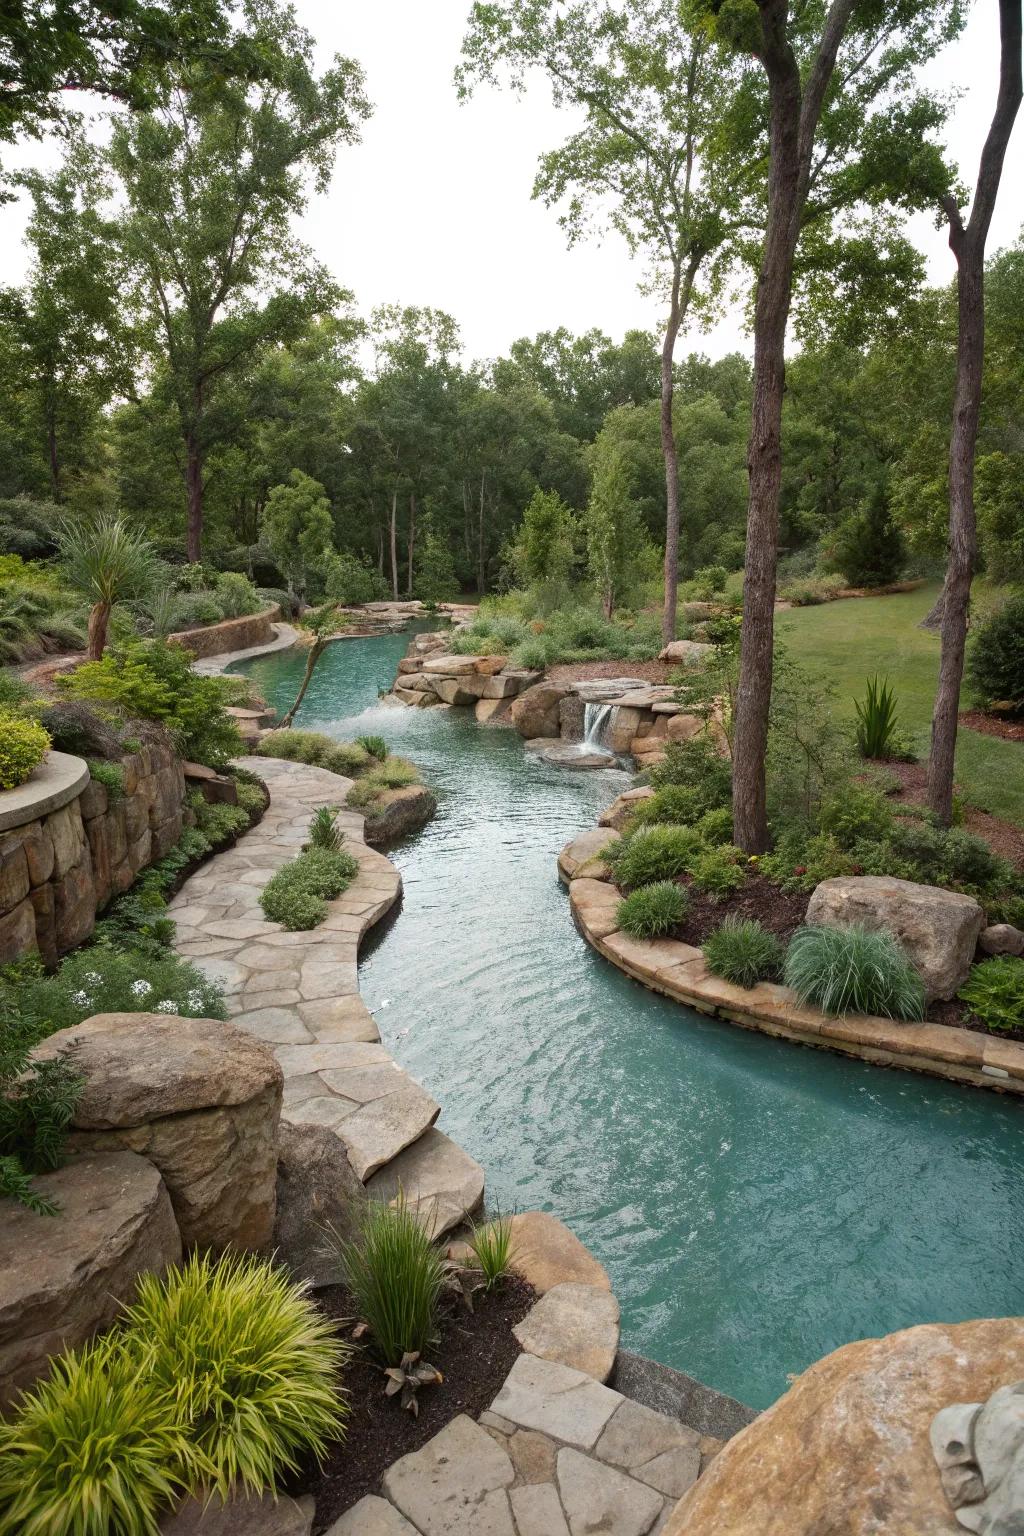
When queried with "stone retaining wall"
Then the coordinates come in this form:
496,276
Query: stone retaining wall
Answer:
230,635
60,868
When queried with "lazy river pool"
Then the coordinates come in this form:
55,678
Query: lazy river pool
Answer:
756,1203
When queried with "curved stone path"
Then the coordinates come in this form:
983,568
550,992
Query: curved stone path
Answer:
299,993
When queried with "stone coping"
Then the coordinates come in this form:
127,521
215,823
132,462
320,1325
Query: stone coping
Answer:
679,971
285,636
59,779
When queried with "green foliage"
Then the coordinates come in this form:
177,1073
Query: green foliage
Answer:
396,1276
77,728
34,622
854,970
857,813
23,745
653,853
13,692
878,722
697,765
544,549
37,1101
809,591
652,910
868,548
676,804
436,581
297,895
107,560
110,775
376,746
994,992
345,758
744,952
324,831
491,1243
250,1363
138,920
99,979
236,595
298,529
155,681
351,581
717,871
715,826
96,1449
799,862
252,796
395,773
995,665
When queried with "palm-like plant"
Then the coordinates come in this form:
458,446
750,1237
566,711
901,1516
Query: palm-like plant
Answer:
108,562
320,625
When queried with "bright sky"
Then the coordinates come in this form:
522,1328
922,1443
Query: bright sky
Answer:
434,207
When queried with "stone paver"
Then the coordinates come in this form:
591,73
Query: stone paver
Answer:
600,1498
558,1401
577,1325
449,1184
455,1485
547,1253
371,1517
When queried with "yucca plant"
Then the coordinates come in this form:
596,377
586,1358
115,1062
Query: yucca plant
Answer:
854,970
376,746
97,1449
744,952
252,1366
324,831
491,1244
877,721
396,1276
653,910
109,562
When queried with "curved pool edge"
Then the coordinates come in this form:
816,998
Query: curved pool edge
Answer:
679,971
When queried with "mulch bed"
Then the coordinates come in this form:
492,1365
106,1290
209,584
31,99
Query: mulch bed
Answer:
781,912
993,725
475,1353
1002,837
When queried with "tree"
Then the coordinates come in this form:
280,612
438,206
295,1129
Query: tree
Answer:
298,529
967,242
320,626
614,535
655,96
826,65
583,377
212,178
868,548
544,550
108,562
436,581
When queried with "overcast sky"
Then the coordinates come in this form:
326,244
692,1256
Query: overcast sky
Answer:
434,207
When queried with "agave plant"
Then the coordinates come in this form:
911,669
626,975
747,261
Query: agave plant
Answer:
408,1377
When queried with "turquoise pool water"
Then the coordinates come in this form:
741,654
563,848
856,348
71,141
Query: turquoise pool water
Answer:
756,1203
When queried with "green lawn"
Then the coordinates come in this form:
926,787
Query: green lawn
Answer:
851,640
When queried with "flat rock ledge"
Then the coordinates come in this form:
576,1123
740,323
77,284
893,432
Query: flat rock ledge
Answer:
679,971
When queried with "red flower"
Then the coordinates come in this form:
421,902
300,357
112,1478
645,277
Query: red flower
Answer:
801,869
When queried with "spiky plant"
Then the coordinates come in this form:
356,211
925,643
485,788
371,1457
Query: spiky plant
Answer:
376,746
251,1364
109,562
396,1276
877,721
491,1243
744,952
854,970
324,831
653,910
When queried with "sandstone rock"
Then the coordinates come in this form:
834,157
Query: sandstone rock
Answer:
438,1177
371,1517
585,851
451,666
200,1099
535,712
621,809
576,755
17,932
399,812
600,1498
64,1277
546,1253
14,880
490,666
577,1325
244,1515
684,727
316,1187
493,711
504,686
571,717
690,652
621,728
460,691
938,929
455,1485
1002,939
847,1448
557,1401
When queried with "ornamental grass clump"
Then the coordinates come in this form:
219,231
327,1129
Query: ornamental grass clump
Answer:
251,1364
994,992
324,831
744,952
653,910
491,1244
854,970
97,1449
653,853
297,895
396,1276
376,746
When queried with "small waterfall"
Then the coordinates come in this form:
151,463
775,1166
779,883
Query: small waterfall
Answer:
595,718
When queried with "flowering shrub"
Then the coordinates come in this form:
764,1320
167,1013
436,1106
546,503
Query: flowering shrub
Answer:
104,980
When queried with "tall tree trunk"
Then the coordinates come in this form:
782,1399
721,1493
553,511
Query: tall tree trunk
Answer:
968,246
194,498
54,456
671,457
412,540
394,544
481,568
315,652
99,619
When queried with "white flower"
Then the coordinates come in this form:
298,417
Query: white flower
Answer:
167,1006
93,978
141,988
194,1000
81,999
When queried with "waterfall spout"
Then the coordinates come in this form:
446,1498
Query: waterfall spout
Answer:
595,718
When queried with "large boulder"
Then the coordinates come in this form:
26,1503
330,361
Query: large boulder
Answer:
399,812
938,929
64,1277
198,1098
535,712
847,1449
689,652
316,1189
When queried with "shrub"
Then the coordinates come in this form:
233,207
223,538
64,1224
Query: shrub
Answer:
138,920
110,775
23,745
250,1363
297,895
348,580
104,980
675,804
530,655
342,757
236,595
868,548
252,796
37,1102
810,591
854,970
995,666
193,610
78,728
798,863
994,992
155,681
653,853
95,1450
375,746
396,1276
396,773
697,764
715,827
969,860
652,910
35,622
717,872
491,1244
744,952
13,692
324,831
877,722
856,813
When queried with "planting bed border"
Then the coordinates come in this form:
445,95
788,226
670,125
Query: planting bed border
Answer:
679,971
